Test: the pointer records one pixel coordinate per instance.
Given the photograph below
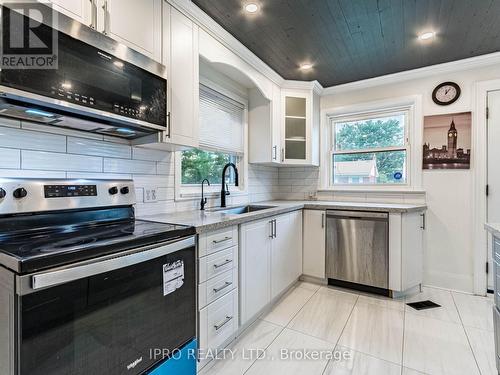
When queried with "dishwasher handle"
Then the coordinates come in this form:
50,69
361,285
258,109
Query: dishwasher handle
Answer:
357,214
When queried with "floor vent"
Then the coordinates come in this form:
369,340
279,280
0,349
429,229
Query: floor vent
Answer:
423,305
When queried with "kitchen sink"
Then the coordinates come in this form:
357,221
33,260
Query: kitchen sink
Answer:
241,209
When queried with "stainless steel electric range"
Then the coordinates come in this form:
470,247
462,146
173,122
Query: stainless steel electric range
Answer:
85,288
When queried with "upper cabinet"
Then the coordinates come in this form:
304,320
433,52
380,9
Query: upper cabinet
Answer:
300,127
79,10
182,60
137,24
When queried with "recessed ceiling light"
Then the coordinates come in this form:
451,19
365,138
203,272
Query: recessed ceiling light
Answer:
427,35
306,66
251,7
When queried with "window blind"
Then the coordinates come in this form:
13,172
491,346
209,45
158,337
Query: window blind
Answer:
221,122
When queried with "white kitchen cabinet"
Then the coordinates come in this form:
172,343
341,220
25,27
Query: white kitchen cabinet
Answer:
406,250
182,61
79,10
271,260
137,24
300,114
314,243
264,130
255,267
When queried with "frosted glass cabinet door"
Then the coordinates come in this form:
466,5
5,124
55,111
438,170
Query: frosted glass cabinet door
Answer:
295,145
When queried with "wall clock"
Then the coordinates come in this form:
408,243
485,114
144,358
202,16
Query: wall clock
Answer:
446,93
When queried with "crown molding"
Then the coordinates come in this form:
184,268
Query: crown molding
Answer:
203,20
303,85
427,71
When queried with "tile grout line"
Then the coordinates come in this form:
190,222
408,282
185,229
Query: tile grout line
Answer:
465,332
342,332
280,332
403,343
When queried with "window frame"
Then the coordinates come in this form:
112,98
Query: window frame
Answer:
412,103
193,191
333,120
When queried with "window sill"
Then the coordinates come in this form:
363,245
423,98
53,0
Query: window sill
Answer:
373,189
191,195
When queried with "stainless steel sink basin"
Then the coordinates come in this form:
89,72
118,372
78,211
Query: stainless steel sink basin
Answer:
241,210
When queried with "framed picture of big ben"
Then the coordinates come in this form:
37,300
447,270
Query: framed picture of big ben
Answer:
447,141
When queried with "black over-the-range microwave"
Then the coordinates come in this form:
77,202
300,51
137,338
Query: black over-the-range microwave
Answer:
98,85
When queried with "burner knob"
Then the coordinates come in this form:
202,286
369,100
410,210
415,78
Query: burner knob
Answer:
125,190
113,190
20,193
2,193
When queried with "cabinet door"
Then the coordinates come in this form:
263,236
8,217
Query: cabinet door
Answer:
412,249
183,79
280,255
276,125
296,247
136,24
80,10
296,127
314,243
255,271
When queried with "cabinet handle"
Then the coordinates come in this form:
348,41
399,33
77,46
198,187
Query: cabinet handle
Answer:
223,240
275,152
93,14
168,125
282,155
105,21
227,284
272,229
223,323
322,220
424,222
227,261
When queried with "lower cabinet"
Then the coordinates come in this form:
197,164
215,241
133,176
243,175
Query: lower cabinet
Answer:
218,279
314,243
270,259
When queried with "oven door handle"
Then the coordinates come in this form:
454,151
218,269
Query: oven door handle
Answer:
65,275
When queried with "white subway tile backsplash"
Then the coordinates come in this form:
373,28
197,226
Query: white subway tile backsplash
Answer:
26,173
99,176
165,168
60,162
30,140
140,153
95,147
129,166
10,158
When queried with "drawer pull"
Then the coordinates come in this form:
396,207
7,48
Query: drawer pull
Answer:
222,324
227,284
227,261
223,240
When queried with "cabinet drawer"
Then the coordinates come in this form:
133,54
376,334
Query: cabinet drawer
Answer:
216,240
218,263
214,288
219,321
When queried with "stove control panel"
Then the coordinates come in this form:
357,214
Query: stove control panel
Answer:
18,195
65,191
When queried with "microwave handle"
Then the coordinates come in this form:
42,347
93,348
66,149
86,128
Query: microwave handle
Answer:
66,275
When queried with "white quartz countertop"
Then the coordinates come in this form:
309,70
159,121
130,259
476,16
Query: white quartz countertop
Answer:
211,220
493,228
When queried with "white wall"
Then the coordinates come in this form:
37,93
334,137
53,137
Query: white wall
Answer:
449,247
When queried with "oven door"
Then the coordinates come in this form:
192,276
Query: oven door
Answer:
108,317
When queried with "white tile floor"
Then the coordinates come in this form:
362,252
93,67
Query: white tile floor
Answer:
350,333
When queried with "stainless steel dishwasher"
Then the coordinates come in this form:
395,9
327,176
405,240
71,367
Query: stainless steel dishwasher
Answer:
357,250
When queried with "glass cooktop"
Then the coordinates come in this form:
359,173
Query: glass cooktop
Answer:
34,249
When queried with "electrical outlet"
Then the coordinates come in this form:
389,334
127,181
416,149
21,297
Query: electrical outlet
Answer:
150,195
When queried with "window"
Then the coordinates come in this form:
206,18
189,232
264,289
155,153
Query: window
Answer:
222,137
370,149
197,165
